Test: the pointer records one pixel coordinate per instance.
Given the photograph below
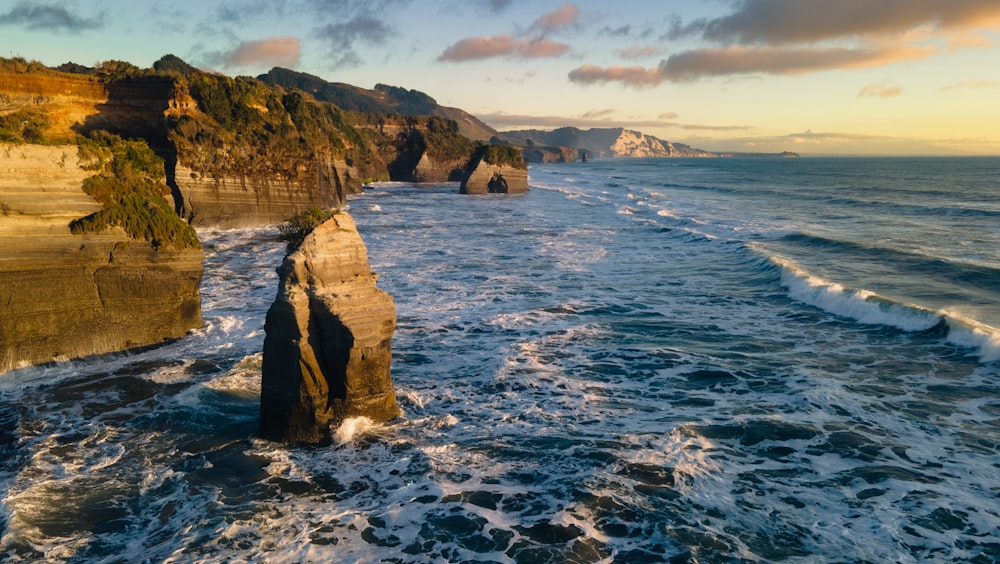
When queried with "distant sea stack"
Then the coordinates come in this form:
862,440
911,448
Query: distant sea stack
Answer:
495,169
327,349
67,295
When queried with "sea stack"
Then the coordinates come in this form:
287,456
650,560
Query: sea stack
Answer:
495,169
327,349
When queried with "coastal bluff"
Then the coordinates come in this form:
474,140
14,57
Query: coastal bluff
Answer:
69,295
328,343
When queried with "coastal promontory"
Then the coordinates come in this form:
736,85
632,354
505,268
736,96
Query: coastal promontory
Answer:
328,343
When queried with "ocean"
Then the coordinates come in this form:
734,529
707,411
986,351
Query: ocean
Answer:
725,360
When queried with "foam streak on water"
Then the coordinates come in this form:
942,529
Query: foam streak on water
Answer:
637,361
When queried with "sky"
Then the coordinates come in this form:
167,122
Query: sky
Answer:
819,77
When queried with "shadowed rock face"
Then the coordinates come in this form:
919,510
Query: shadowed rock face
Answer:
64,295
328,347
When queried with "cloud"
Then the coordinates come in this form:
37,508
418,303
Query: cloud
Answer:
273,52
49,17
563,16
793,37
597,113
342,37
474,48
497,6
594,119
639,52
880,90
971,84
776,22
639,77
738,60
668,115
621,31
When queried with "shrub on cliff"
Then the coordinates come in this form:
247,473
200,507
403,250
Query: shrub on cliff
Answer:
25,126
295,230
129,183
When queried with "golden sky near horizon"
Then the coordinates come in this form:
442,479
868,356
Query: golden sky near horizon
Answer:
813,76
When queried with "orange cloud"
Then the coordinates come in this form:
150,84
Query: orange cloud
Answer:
972,84
474,48
630,76
562,16
274,52
880,90
730,61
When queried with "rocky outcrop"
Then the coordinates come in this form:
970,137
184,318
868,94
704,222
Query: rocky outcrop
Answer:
64,295
536,154
495,169
327,348
633,144
487,178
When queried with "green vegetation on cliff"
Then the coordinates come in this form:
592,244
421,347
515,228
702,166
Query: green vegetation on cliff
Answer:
129,182
248,127
500,155
25,126
296,229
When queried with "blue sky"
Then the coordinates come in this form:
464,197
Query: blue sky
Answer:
814,76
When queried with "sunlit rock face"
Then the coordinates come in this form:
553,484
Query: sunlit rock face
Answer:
328,349
486,178
65,295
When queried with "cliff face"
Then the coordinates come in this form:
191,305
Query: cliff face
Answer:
239,152
231,201
535,154
328,349
633,144
64,295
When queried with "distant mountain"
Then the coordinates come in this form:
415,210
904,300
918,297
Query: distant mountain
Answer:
383,99
614,142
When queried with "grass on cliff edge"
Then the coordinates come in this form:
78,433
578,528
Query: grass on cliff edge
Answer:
296,229
129,183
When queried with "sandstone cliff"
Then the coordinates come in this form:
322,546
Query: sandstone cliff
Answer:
495,169
65,295
327,351
237,152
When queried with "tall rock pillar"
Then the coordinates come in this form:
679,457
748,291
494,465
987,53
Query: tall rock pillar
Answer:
327,348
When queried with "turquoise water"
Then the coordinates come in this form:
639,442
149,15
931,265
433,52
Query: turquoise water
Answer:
637,361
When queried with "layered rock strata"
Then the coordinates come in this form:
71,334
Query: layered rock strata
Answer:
64,295
487,178
234,201
327,349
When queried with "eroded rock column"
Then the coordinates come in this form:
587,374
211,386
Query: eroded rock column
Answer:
328,349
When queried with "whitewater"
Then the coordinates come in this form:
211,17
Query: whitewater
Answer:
655,360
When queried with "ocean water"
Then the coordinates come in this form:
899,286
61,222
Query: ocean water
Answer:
637,361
